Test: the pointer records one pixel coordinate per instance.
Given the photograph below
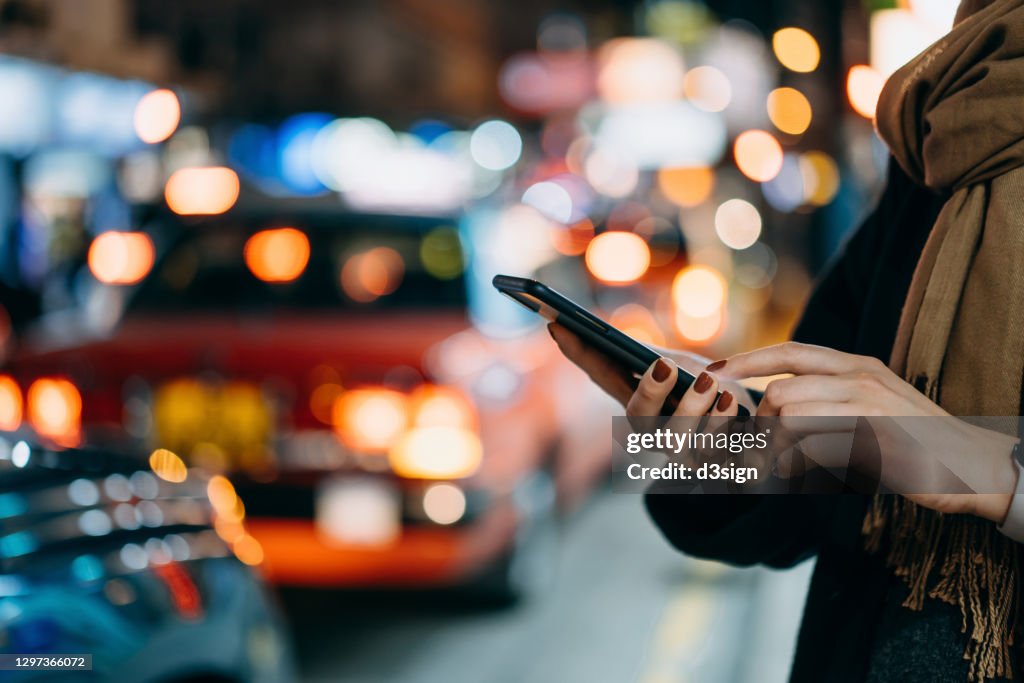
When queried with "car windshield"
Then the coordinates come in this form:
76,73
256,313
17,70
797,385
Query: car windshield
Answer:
345,262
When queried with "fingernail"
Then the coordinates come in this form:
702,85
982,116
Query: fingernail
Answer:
717,365
703,382
724,401
661,370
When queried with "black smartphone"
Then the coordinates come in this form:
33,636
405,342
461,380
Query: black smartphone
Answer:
628,352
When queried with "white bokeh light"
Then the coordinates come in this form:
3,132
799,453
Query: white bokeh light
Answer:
495,145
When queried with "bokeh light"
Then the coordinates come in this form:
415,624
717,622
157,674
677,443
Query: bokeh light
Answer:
610,173
698,291
686,186
551,199
168,466
157,116
707,88
758,155
54,408
789,110
821,177
370,419
201,191
441,253
277,255
495,145
436,453
224,499
347,154
121,258
618,258
737,223
634,70
796,49
786,192
572,240
248,550
937,12
699,329
639,323
372,274
10,404
444,503
897,35
863,86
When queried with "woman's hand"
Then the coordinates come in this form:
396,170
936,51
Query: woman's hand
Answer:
932,456
646,398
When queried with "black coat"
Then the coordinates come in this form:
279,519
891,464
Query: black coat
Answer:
854,308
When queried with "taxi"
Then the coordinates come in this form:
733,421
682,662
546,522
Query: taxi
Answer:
330,365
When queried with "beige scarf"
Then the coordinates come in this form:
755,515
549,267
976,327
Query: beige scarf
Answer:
954,120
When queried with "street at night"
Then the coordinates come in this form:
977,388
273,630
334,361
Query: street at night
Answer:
493,341
624,607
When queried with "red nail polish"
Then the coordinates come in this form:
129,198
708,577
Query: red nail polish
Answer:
717,365
703,382
661,370
724,401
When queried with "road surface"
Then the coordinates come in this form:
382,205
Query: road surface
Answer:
624,607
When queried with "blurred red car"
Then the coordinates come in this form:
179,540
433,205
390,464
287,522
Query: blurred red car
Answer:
327,363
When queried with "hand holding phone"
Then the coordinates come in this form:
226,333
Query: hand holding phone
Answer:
625,351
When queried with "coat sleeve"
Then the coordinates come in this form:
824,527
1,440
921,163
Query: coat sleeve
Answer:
782,530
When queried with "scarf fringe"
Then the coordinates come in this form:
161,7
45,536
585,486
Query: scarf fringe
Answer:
979,574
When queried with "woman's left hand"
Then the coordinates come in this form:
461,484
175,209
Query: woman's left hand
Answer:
828,383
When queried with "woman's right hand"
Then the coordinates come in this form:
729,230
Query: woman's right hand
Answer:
655,385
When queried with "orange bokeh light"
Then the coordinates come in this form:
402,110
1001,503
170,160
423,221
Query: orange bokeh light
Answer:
700,330
639,323
573,240
618,258
121,258
157,116
639,70
371,419
796,49
372,274
863,86
758,155
686,186
789,110
10,403
168,466
248,550
201,191
699,291
438,406
277,255
55,409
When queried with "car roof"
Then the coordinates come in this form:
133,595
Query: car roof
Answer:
314,216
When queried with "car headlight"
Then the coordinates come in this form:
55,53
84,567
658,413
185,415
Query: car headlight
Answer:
55,409
436,453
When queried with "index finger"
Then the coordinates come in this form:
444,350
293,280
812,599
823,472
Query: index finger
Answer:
793,357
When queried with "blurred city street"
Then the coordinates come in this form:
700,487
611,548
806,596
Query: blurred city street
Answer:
625,607
252,352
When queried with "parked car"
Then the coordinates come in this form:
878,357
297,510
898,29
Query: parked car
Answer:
101,555
328,364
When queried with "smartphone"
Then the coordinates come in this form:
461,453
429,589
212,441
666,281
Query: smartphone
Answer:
617,345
